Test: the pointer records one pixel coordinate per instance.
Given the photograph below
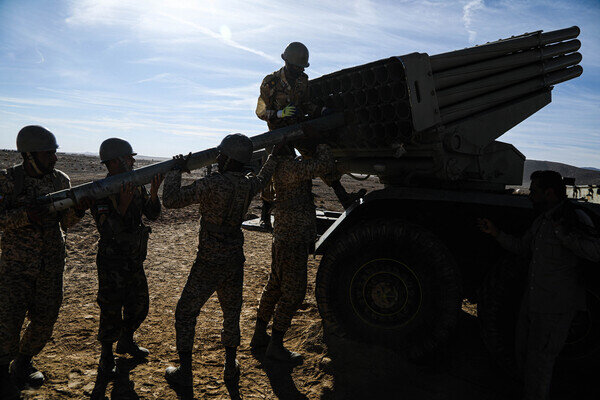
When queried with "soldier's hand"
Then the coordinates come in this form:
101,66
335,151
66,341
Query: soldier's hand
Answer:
125,197
83,204
281,149
36,214
288,111
487,226
181,162
156,182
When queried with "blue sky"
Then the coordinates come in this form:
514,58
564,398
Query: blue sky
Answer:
176,76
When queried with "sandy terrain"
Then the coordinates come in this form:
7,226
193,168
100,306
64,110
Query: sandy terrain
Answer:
333,368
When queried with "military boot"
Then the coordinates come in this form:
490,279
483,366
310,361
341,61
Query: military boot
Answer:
106,366
24,373
8,390
261,337
277,351
126,345
231,373
182,375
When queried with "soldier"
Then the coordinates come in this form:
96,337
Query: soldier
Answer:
32,259
224,198
293,237
284,101
559,238
122,286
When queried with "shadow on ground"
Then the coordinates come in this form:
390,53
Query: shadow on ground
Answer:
462,370
280,376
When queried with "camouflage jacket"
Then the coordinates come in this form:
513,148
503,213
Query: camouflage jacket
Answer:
23,241
276,93
295,217
123,235
224,199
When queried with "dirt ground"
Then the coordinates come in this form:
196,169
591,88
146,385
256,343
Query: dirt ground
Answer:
333,368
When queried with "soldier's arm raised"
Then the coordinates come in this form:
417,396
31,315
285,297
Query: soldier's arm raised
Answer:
261,180
322,163
176,196
151,207
70,216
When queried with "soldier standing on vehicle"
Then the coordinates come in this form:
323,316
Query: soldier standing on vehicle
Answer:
33,257
224,198
284,101
293,237
559,238
122,286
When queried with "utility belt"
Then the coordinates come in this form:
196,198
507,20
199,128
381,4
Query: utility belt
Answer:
295,201
214,228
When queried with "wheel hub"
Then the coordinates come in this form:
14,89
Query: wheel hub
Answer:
386,293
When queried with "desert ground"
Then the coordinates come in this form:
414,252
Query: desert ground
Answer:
334,368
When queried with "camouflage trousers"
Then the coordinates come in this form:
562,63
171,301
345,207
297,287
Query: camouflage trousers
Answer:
32,290
539,339
227,279
286,288
122,296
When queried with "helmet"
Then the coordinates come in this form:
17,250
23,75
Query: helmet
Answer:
114,148
237,146
34,138
296,54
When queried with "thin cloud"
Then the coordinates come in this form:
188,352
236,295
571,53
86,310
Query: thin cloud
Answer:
468,11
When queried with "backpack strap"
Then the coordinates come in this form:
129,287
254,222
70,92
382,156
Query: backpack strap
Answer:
17,173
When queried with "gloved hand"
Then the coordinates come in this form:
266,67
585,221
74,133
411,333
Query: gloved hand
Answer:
288,111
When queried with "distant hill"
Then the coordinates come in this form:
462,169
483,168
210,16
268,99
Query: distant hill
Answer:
583,176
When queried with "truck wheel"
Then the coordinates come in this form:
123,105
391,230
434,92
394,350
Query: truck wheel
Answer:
391,283
498,307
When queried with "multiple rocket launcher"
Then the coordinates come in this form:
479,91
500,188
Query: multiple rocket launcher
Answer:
417,119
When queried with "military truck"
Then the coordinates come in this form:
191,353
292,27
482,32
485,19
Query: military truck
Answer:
396,267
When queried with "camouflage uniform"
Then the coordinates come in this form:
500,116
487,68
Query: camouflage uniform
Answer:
122,286
275,94
294,233
32,262
224,199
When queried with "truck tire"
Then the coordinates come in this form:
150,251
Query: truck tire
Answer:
499,301
391,283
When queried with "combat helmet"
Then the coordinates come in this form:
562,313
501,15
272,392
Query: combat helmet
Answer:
114,148
296,54
237,147
34,138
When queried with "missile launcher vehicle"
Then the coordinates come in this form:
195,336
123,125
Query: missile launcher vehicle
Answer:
396,267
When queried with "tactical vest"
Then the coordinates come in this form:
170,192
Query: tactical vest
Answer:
17,175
